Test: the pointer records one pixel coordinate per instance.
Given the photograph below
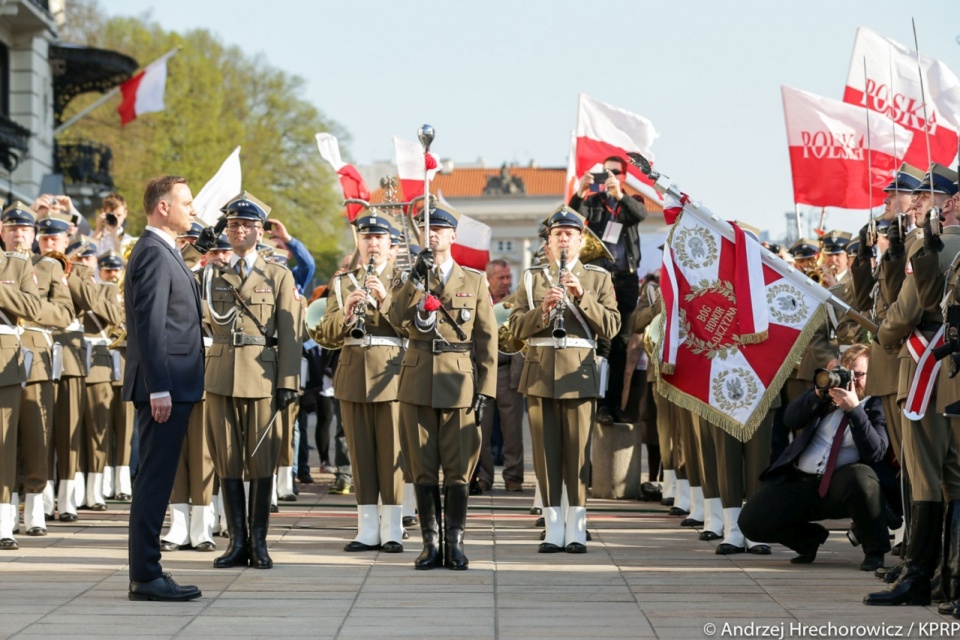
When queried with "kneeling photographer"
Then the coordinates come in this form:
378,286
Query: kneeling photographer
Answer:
831,470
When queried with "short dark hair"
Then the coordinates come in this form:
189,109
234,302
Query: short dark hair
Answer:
113,200
623,163
158,189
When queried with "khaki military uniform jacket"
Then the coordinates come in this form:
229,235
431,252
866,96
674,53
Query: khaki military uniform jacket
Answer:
447,380
570,372
364,373
87,296
97,336
18,299
252,370
52,289
873,298
647,307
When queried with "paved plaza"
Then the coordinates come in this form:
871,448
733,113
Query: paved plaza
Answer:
643,577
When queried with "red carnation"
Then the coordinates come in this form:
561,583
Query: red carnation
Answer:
432,303
429,161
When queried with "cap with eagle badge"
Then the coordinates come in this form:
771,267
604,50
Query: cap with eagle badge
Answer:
907,178
835,242
441,217
246,206
804,248
938,179
83,247
110,260
564,216
374,225
18,215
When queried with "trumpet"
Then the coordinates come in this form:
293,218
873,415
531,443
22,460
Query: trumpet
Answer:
359,330
818,273
559,331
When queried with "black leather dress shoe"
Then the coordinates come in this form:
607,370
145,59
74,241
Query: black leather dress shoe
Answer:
206,546
49,517
163,589
98,507
123,497
808,555
947,608
690,522
727,549
166,545
287,498
392,547
667,502
274,509
409,521
406,535
543,534
575,547
36,531
8,544
548,547
708,536
354,546
677,511
871,561
305,478
540,522
69,517
760,550
536,511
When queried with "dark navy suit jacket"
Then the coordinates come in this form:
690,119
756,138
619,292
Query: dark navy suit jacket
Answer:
164,338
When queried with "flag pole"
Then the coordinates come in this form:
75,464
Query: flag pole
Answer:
796,209
105,97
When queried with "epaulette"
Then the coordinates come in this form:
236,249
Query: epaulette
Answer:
593,267
277,264
17,254
476,271
49,259
538,266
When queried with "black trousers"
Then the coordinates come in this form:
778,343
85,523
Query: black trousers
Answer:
783,512
627,289
160,446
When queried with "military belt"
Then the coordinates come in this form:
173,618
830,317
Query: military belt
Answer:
7,330
374,341
562,343
441,346
244,340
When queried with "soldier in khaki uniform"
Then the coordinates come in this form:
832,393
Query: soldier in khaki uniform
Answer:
366,383
929,443
19,299
445,379
560,375
252,373
34,429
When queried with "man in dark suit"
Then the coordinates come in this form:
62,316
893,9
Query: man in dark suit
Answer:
164,374
833,469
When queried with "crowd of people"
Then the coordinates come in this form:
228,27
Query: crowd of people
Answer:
193,344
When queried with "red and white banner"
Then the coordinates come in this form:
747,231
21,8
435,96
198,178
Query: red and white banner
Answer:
143,93
472,246
892,87
736,321
604,130
411,164
225,184
829,152
351,184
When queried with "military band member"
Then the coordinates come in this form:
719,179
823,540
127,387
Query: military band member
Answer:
560,375
19,299
449,371
251,376
929,437
366,383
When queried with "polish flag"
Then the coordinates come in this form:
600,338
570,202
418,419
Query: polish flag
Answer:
828,151
604,130
891,85
143,93
472,247
351,183
224,185
411,164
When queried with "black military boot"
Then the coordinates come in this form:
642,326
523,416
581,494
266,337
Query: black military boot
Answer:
455,517
950,565
261,492
428,509
920,559
234,506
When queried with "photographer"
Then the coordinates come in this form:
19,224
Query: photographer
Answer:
109,233
303,266
833,469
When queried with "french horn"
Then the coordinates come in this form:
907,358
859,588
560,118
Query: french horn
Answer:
506,342
314,315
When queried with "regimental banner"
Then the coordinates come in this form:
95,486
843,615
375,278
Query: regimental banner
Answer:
735,323
892,87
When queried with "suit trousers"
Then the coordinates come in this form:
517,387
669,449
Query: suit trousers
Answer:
194,481
239,439
560,435
36,435
783,512
930,453
11,397
706,435
96,424
373,437
160,446
741,463
690,445
67,421
434,439
509,402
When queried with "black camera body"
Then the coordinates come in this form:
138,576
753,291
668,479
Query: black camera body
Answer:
839,378
111,219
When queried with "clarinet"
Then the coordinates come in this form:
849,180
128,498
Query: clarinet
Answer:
359,330
559,331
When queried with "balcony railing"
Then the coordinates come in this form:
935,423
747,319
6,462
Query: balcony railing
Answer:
13,143
84,162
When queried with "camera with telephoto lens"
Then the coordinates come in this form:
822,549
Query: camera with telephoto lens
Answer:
111,219
824,379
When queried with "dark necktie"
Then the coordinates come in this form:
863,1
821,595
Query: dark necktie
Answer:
832,459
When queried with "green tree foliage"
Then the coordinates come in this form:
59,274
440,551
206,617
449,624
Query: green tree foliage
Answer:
217,97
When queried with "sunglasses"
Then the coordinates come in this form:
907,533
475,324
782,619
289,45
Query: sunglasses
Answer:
616,172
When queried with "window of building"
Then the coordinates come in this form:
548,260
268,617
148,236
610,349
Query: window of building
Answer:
505,246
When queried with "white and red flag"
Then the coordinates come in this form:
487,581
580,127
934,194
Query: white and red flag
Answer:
472,247
829,155
351,183
604,130
143,93
411,163
218,191
891,85
735,320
